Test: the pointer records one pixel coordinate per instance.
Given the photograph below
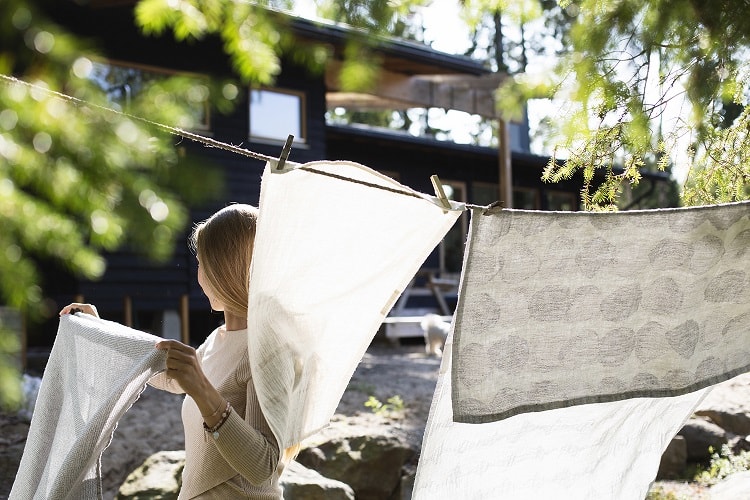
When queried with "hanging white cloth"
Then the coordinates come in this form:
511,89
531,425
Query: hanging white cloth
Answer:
95,372
584,452
639,312
331,257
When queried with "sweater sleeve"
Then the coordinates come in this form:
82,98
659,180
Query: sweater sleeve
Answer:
248,444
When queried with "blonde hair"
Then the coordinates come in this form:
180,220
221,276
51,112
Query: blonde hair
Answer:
223,244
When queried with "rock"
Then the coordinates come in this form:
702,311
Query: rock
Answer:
370,463
674,459
728,405
158,478
301,483
733,487
700,434
151,425
12,443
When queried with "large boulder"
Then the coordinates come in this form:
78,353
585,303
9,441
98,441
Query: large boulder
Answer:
301,483
728,405
152,424
158,478
12,442
703,437
372,464
673,460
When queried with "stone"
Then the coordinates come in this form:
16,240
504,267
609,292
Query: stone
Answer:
158,478
152,424
371,464
673,460
702,435
728,405
13,431
301,483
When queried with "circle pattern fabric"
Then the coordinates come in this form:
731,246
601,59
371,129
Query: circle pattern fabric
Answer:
564,308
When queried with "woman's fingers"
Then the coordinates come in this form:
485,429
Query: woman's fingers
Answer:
180,357
182,365
172,344
78,307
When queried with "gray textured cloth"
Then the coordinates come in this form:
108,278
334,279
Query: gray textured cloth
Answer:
564,308
96,371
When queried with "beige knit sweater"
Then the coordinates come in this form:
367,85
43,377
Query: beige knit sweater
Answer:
243,462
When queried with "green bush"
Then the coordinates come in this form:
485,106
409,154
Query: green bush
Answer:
722,465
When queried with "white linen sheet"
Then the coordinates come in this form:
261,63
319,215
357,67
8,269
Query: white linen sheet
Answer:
581,344
331,257
96,371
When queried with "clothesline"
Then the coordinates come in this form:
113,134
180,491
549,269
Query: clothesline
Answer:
206,141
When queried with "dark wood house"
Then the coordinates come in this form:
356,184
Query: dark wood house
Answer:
166,298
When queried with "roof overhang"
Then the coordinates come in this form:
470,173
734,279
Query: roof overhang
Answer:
412,75
468,93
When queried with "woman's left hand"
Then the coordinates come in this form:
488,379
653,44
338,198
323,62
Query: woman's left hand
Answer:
184,367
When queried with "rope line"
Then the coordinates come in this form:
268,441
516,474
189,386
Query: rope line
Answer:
206,141
173,130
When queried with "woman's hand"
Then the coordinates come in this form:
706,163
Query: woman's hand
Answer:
184,367
76,307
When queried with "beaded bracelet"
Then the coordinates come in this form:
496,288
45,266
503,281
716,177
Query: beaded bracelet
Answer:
214,431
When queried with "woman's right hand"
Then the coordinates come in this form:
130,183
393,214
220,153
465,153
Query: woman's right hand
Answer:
76,307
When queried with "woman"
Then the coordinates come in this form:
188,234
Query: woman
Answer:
230,451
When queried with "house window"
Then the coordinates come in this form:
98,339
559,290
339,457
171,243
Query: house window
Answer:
123,81
275,114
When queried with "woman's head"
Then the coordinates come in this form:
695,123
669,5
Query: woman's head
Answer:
223,244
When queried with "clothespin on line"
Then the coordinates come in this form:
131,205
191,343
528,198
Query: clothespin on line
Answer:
440,192
285,152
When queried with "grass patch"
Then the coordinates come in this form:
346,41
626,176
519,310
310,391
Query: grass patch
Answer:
393,407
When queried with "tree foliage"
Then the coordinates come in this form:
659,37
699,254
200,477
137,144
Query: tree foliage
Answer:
75,179
650,79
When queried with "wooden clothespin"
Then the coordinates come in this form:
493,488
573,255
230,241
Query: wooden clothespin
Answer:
285,152
493,208
439,192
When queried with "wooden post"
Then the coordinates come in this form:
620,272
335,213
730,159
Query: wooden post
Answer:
127,310
185,319
505,177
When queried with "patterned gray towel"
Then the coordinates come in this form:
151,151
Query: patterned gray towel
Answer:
564,308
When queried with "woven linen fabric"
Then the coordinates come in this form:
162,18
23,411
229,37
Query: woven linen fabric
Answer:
586,452
95,372
564,308
330,258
